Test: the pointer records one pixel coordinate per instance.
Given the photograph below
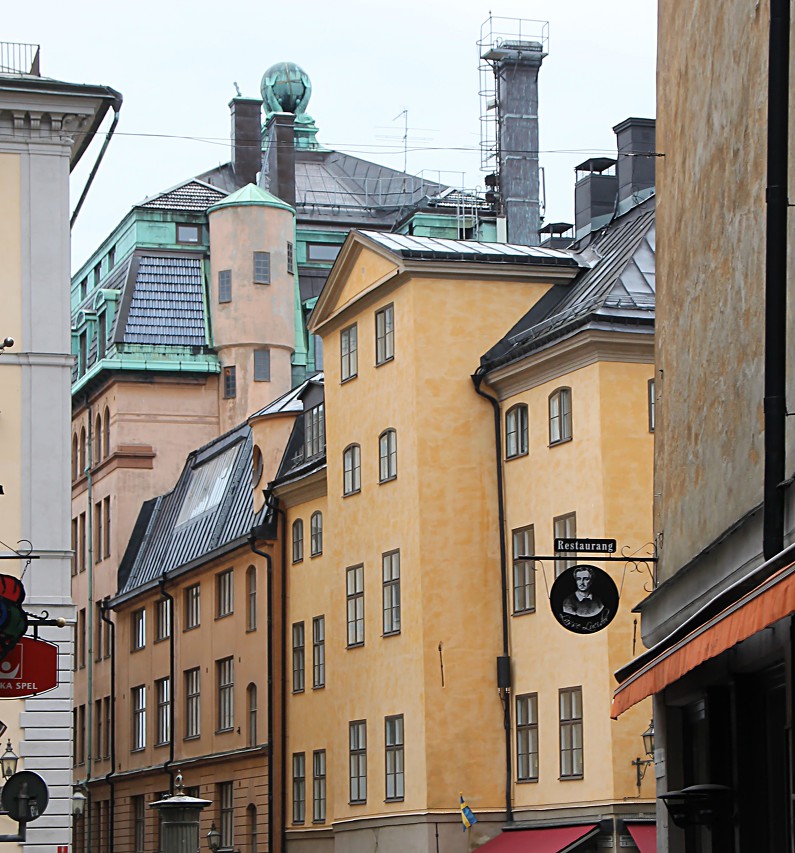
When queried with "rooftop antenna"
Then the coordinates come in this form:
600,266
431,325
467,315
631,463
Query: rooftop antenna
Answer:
405,114
237,88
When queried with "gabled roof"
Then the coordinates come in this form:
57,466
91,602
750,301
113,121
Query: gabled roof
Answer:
618,288
192,196
210,510
166,302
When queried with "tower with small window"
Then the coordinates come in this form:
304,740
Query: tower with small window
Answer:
252,297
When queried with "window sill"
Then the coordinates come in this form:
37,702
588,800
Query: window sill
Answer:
388,634
352,492
163,743
132,651
357,802
295,562
355,645
523,612
190,628
570,778
224,615
517,456
349,378
387,479
138,749
319,822
560,441
225,731
394,799
192,737
527,781
251,630
319,554
319,686
385,361
298,691
161,639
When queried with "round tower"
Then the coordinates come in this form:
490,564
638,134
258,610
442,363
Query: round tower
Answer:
252,299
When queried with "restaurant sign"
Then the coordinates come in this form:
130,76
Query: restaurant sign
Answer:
30,668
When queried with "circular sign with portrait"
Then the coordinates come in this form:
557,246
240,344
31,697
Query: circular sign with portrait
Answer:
584,599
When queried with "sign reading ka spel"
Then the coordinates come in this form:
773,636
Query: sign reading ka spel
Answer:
587,546
30,668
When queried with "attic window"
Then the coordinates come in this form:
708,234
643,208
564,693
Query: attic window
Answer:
187,233
322,252
207,485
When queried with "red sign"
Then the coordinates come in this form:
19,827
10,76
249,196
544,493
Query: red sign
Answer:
63,848
31,667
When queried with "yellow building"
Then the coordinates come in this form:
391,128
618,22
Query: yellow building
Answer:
393,619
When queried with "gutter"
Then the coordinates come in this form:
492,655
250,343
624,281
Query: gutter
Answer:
504,662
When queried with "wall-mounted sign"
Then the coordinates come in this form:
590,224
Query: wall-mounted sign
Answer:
587,546
31,667
584,599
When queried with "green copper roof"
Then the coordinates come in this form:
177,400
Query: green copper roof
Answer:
251,195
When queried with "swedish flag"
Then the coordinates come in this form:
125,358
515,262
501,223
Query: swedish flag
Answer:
467,815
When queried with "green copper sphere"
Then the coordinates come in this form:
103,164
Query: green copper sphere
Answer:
286,88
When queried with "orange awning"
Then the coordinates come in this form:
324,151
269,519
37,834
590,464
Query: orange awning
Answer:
555,839
772,600
644,835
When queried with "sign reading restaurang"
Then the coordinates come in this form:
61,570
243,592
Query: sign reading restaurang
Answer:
587,546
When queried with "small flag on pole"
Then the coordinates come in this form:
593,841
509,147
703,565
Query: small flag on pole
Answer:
467,815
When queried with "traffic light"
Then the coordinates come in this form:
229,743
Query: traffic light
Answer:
13,619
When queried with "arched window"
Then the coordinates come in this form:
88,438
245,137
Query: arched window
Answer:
352,469
97,440
106,436
251,820
516,431
251,696
251,598
74,457
560,415
82,450
298,540
316,534
387,455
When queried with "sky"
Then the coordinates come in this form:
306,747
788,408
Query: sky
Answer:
176,63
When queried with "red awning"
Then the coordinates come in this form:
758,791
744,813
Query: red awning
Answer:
558,839
756,610
644,835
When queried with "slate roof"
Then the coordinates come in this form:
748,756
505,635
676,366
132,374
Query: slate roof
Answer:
208,510
289,402
192,196
167,303
432,248
618,288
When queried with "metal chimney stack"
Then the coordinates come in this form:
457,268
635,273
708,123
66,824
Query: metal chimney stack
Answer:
512,51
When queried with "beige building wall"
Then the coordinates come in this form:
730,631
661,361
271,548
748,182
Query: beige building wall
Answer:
439,672
710,272
603,475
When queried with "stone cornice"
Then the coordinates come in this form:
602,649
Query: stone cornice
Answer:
564,356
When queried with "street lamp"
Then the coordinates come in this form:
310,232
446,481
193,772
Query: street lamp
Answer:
214,839
78,802
641,765
8,762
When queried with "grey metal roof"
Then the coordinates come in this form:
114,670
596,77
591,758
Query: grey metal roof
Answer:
209,508
618,287
167,304
432,248
289,402
193,196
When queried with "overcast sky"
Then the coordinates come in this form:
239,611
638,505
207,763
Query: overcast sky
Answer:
175,63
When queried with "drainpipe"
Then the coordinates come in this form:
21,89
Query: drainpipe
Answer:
105,615
92,175
171,720
776,277
504,662
89,650
252,541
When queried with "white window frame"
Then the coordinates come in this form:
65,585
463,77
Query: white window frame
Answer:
524,575
138,717
387,455
394,758
354,579
527,737
225,677
224,593
349,353
516,431
352,469
385,334
390,567
560,418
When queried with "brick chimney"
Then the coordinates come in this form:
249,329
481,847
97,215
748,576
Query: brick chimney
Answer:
245,137
278,165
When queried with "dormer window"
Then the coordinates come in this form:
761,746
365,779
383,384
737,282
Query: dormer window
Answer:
314,432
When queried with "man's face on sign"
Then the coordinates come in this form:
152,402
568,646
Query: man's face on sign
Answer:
583,579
